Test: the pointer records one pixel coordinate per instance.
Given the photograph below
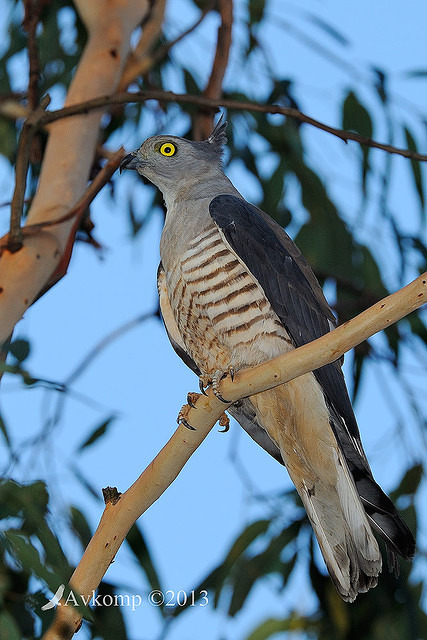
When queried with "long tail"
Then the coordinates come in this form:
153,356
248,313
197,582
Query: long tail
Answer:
381,512
384,518
321,475
345,537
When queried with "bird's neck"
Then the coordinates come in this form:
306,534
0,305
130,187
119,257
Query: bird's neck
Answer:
204,188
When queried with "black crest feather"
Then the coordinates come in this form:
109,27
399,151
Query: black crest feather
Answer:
218,137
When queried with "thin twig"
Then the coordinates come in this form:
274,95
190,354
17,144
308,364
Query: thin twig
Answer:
31,20
77,210
161,53
89,357
139,60
104,342
203,123
101,179
237,105
121,512
28,130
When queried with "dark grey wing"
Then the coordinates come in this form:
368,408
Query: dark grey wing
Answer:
244,412
170,323
288,283
297,298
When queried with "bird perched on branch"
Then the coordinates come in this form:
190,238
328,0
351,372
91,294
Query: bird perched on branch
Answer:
235,291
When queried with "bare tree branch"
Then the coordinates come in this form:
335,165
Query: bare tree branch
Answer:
121,511
203,122
161,53
31,19
140,59
236,105
76,213
28,130
67,160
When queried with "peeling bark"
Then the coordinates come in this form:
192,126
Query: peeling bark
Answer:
68,157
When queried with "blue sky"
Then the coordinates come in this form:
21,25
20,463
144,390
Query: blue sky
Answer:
139,379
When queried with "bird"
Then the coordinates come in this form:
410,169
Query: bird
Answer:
235,291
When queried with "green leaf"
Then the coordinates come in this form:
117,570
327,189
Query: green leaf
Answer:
24,501
242,542
215,580
249,570
108,620
409,483
332,252
381,82
94,491
418,327
256,11
20,350
28,557
191,85
5,432
97,433
416,168
139,547
8,141
275,625
416,73
9,628
355,117
273,191
80,526
329,29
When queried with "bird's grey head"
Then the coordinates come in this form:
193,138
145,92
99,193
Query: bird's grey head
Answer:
175,164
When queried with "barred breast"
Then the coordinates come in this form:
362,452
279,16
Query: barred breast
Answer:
221,311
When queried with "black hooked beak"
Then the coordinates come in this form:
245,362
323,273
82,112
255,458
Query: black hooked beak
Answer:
130,161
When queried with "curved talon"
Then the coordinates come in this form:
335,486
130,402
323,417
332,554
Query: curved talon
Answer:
183,415
186,424
202,386
224,421
191,399
219,396
216,379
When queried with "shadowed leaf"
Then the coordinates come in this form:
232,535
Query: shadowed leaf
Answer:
20,349
416,168
329,29
9,628
138,545
80,526
355,117
5,432
97,433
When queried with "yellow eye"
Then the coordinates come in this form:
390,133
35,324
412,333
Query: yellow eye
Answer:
167,149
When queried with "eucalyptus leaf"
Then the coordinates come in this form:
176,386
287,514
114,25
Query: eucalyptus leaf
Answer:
97,433
416,170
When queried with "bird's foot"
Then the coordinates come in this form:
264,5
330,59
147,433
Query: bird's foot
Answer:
183,414
204,382
224,421
214,380
192,399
